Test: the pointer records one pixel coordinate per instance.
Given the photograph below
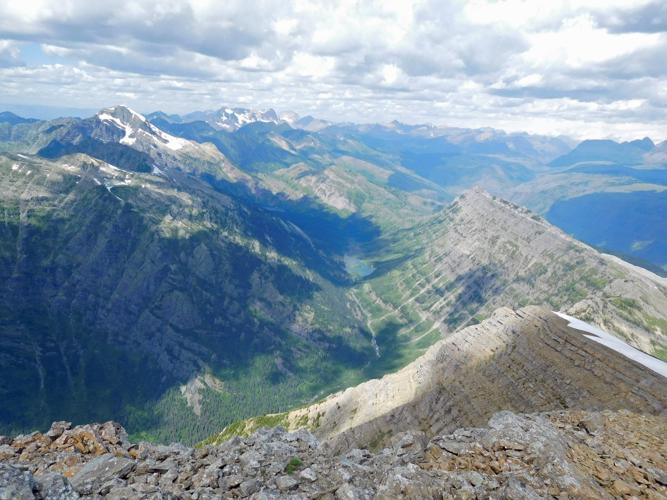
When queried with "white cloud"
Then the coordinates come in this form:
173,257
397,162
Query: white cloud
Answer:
582,67
579,42
390,73
304,64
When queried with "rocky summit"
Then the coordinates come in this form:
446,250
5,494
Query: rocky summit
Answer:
561,454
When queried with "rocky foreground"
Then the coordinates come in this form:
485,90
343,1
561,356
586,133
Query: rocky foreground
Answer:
558,454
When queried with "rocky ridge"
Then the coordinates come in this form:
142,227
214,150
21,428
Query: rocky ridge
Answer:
525,360
482,253
559,454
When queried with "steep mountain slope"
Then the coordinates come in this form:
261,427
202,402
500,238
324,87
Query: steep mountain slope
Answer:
126,139
213,296
118,287
123,138
427,165
482,253
417,167
525,360
342,174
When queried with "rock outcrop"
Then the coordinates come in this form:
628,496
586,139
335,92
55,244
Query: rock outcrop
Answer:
559,454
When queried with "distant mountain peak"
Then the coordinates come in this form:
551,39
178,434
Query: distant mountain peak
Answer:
646,143
231,119
14,119
121,113
136,126
606,150
122,108
289,117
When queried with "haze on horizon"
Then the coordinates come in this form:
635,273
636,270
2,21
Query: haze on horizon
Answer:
586,68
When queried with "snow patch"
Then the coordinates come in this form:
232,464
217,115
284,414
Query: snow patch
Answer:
16,166
604,338
109,185
129,131
174,143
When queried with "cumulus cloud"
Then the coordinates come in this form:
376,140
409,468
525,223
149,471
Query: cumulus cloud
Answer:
584,67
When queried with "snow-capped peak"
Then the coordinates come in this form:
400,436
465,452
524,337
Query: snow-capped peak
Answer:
123,114
135,126
233,119
289,117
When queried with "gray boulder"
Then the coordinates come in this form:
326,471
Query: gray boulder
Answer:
100,470
16,484
54,486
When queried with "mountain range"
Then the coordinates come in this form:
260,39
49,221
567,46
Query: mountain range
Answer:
606,193
181,273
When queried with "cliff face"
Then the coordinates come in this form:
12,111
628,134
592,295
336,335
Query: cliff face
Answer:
571,454
524,361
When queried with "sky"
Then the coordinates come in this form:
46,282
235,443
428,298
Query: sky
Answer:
583,68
